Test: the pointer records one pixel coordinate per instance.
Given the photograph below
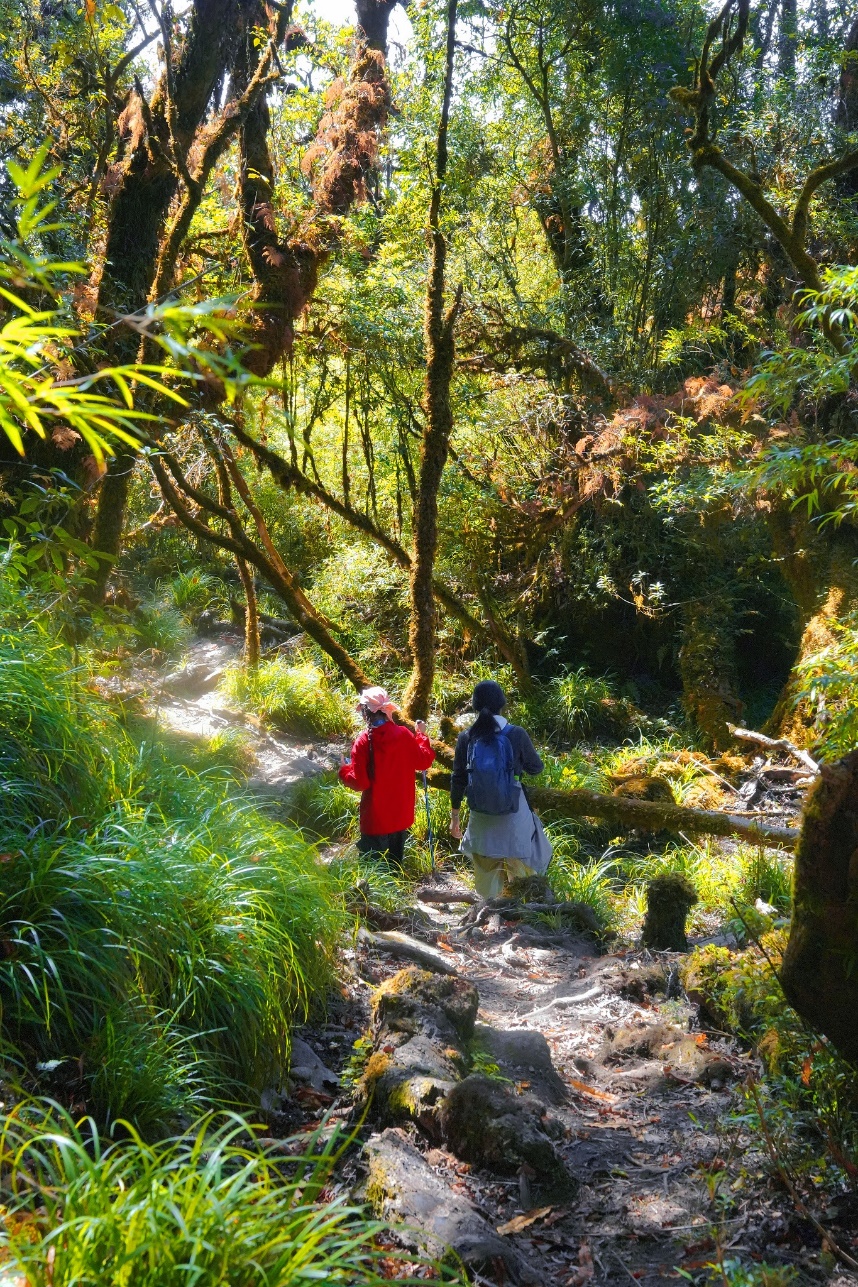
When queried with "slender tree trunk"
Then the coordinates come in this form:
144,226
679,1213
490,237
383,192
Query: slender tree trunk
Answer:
251,616
110,519
788,39
155,140
440,353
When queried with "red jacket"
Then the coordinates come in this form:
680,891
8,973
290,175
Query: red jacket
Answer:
387,803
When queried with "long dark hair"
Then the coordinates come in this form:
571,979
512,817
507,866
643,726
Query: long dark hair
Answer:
488,700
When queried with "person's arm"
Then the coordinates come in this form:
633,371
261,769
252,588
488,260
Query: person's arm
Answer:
531,761
458,785
421,747
356,774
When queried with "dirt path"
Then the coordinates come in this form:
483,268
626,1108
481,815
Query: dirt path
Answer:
669,1182
671,1185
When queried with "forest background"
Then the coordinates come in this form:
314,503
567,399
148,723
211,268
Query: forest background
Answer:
495,339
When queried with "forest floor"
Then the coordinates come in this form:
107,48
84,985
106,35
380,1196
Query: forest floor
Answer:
672,1185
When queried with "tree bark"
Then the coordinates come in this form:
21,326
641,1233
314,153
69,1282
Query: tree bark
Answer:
818,973
156,139
440,354
707,666
788,39
846,115
251,616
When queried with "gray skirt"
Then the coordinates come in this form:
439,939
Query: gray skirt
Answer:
509,835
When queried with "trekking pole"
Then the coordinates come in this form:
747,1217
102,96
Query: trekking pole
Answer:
429,822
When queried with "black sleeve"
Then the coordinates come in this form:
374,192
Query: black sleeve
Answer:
530,759
459,780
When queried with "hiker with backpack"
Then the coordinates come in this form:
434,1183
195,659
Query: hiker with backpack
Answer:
382,765
504,838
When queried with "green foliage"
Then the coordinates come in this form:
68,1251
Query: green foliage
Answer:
159,628
207,1207
62,751
35,392
592,882
809,1098
181,945
298,698
322,807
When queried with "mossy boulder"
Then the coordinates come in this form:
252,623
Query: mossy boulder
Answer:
669,899
426,1213
421,1025
484,1122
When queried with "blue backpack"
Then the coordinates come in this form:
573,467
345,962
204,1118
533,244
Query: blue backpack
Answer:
492,787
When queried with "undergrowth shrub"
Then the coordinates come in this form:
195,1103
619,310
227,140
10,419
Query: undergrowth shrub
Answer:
62,751
297,698
592,882
809,1097
160,628
208,1207
323,807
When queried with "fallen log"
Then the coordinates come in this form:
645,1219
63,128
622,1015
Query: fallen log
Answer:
646,815
775,744
401,945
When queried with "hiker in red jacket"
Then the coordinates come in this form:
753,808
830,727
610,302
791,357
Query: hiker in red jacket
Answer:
383,762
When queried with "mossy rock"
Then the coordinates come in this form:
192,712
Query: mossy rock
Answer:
485,1123
408,1082
646,788
670,898
425,1212
417,1001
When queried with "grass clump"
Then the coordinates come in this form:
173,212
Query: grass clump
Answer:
574,705
208,1207
323,808
296,698
62,752
192,593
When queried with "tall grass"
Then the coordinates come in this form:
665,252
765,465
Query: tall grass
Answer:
162,952
297,698
61,750
207,1208
157,934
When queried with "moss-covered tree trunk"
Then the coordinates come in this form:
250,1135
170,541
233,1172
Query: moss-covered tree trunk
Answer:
440,353
821,570
155,139
820,965
707,666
